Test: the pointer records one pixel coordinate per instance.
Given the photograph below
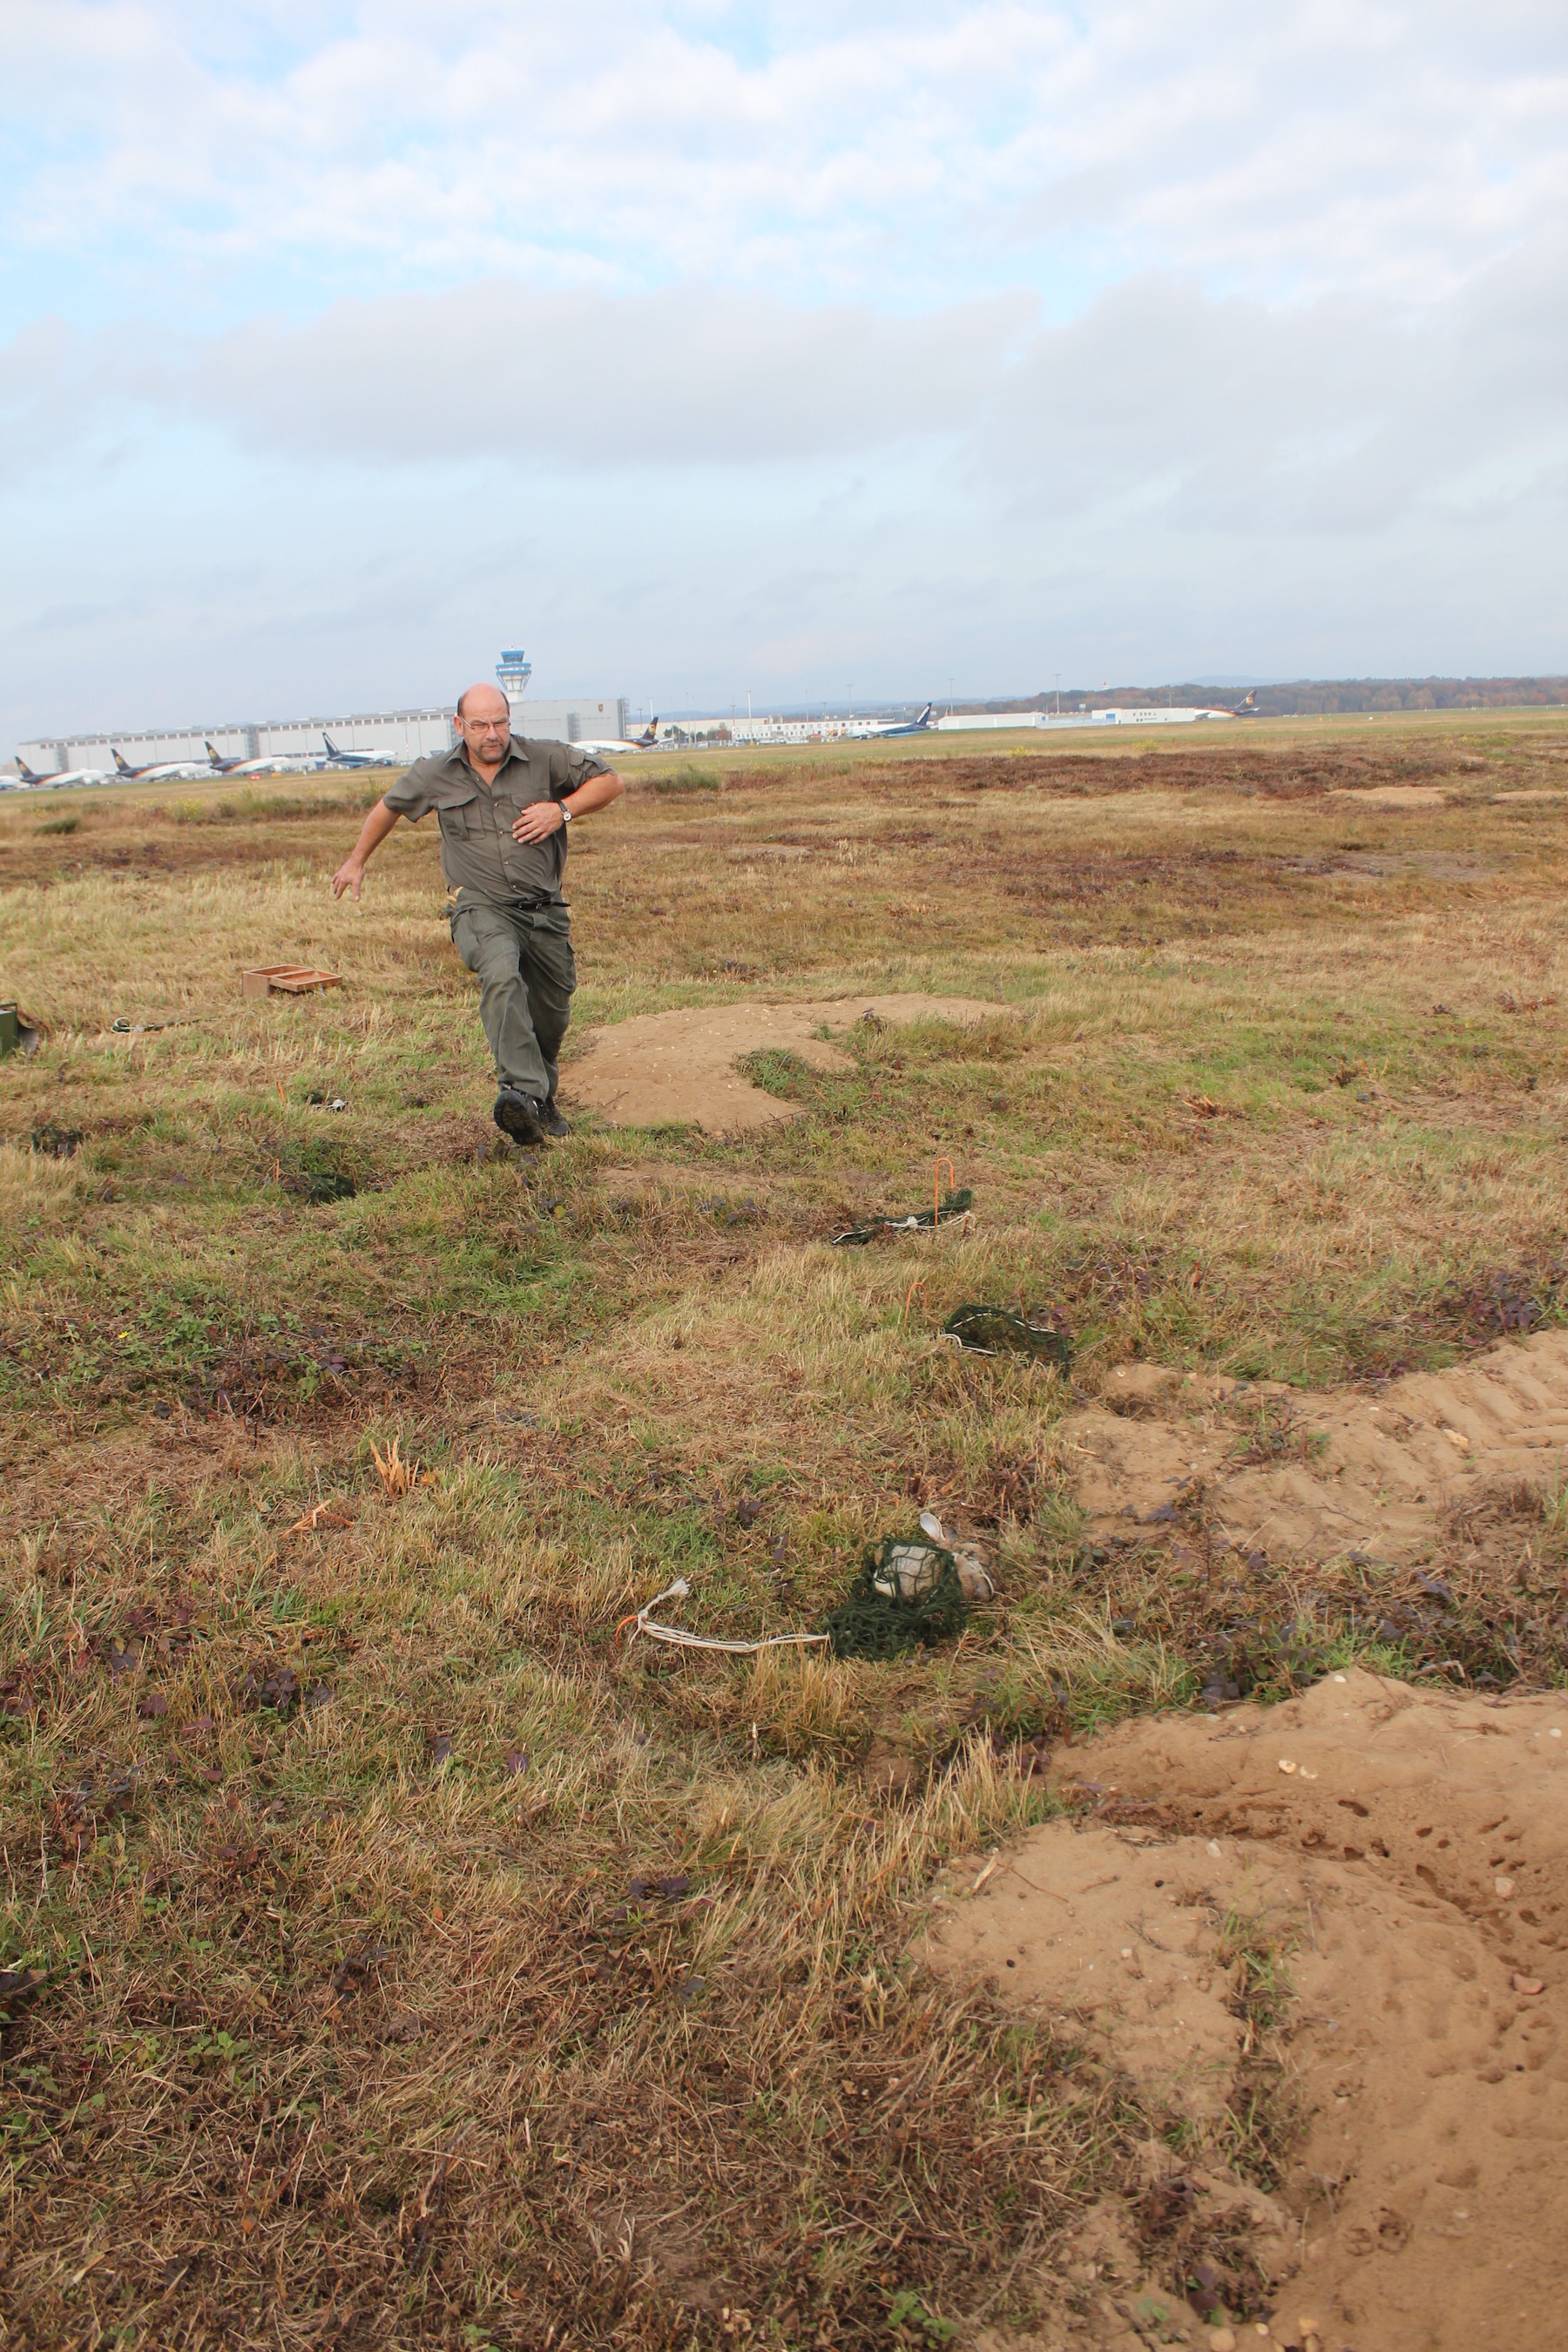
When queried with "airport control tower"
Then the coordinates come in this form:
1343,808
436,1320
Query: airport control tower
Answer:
514,670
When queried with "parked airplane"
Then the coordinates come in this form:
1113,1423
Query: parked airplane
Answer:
220,766
61,776
921,726
271,763
156,772
336,759
647,742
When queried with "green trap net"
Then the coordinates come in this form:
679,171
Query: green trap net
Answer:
907,1596
951,1204
997,1331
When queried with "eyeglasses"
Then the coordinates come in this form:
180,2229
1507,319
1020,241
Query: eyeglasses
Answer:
488,725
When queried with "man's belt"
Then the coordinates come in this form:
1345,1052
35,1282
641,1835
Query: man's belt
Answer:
527,902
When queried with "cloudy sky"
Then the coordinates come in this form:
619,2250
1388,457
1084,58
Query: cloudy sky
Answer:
705,348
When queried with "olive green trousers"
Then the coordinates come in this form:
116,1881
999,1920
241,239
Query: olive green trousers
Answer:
522,956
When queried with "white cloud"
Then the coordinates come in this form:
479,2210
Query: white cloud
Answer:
532,378
894,154
1343,416
1342,413
690,377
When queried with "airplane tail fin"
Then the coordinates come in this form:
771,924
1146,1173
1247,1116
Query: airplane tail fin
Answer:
29,775
122,764
924,718
332,752
212,752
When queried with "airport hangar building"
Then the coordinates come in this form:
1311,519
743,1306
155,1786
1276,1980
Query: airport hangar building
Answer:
401,735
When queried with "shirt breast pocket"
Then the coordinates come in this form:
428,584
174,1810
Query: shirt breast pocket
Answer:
458,819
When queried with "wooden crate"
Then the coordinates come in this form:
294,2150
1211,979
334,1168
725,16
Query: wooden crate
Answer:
285,979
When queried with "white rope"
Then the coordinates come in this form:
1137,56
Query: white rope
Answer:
643,1623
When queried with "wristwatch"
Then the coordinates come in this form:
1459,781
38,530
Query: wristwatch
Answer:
566,812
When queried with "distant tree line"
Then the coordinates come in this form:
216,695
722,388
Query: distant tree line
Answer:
1308,697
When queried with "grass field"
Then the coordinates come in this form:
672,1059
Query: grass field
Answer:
394,1957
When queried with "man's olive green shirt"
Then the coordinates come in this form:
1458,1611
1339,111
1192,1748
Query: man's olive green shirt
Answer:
479,855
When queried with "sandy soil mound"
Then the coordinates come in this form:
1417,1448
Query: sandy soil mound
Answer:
1352,1908
664,1067
1338,1473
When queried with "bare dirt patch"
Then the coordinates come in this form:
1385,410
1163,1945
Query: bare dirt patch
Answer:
1323,1942
1389,796
662,1069
1294,1473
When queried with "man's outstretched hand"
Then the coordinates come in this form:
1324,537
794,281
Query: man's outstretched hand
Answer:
538,821
349,877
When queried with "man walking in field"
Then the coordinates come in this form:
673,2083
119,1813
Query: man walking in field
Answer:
504,803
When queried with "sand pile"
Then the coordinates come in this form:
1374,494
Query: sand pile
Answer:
660,1069
1340,1921
1348,1472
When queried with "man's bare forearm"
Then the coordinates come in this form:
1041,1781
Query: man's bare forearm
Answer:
597,794
373,832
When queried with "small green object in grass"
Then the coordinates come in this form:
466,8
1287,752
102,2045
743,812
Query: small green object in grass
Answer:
322,1185
55,1142
907,1596
18,1034
997,1331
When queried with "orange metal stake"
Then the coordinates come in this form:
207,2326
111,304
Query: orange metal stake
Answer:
936,1187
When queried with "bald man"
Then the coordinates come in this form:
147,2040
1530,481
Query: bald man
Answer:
503,803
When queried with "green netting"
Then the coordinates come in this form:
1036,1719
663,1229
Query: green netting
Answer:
997,1330
907,1596
951,1204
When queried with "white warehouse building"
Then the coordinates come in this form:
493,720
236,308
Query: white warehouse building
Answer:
402,736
